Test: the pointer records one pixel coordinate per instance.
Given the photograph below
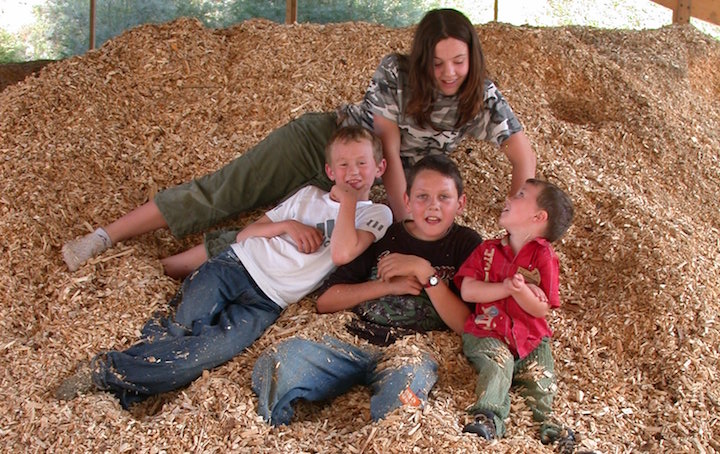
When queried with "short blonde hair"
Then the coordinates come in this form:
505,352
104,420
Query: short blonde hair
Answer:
357,134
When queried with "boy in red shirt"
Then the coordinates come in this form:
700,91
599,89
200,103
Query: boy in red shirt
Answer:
514,282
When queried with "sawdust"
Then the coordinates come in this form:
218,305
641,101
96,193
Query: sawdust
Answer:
626,121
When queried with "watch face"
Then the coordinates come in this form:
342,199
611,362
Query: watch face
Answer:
433,281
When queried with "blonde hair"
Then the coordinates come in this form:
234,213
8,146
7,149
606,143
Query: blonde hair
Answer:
356,134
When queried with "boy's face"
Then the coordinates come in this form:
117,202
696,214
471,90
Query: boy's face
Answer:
353,166
433,204
521,210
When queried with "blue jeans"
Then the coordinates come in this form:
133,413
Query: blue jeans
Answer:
218,312
303,369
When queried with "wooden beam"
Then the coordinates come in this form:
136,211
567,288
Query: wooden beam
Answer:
291,8
92,25
706,10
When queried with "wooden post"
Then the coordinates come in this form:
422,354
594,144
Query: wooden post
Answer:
681,14
291,8
496,11
707,10
92,25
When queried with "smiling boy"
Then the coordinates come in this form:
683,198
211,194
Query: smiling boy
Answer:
401,284
227,303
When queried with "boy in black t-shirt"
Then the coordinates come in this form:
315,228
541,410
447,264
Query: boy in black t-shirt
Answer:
401,284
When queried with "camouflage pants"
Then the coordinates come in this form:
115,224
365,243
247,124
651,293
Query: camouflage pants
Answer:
498,370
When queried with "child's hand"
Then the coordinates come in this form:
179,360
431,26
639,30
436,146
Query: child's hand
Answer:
538,292
393,265
307,239
345,194
515,283
404,285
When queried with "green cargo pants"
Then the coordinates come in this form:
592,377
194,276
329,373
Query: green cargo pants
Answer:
498,369
289,158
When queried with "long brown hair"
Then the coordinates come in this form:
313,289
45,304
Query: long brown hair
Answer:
435,26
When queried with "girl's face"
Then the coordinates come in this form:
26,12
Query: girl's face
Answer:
451,64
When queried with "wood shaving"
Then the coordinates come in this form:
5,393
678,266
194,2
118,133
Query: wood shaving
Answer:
627,121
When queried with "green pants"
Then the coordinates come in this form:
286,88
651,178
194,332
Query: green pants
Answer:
289,158
498,369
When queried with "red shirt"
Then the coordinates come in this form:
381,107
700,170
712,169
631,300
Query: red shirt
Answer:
493,261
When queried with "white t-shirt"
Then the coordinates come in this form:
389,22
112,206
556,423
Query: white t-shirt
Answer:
285,274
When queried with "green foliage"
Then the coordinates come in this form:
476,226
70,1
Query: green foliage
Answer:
240,10
11,50
62,26
392,13
65,24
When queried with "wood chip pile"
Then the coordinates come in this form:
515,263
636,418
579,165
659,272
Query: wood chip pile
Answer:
627,121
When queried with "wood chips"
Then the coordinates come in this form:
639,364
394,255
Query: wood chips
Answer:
627,121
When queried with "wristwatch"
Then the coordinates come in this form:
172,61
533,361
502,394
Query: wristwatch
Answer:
432,281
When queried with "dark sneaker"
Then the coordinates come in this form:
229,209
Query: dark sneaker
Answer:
566,444
483,425
79,383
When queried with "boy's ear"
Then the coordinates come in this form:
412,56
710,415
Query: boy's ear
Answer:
541,216
381,167
462,200
329,172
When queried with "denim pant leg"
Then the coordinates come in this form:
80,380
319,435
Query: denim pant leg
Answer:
303,369
290,157
494,363
170,361
201,297
208,290
405,385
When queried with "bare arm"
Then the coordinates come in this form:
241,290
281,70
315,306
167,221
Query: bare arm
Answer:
534,303
525,297
448,305
519,152
394,176
475,291
345,296
308,239
347,241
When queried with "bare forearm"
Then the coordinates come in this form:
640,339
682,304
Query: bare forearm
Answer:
449,307
346,242
345,296
263,227
519,152
531,303
475,291
394,176
395,186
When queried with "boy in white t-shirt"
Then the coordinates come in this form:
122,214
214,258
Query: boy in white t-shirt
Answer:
229,301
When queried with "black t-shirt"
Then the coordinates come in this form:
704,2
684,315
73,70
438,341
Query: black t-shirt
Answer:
404,313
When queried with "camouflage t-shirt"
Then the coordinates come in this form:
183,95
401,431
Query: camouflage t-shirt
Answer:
407,312
388,95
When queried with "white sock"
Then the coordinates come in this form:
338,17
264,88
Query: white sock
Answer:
81,249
